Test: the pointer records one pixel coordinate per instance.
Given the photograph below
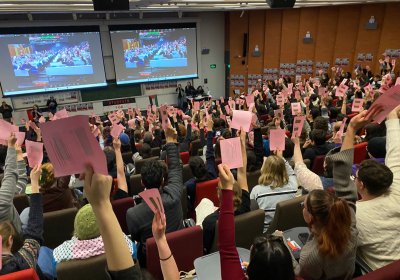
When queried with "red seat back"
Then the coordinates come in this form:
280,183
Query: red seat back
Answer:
207,189
318,165
388,272
185,157
120,206
186,245
360,152
26,274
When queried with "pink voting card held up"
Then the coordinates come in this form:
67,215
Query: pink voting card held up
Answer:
231,152
116,130
296,108
386,102
298,124
152,198
277,140
34,152
357,105
71,146
241,119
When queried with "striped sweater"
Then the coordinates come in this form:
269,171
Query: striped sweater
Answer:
267,197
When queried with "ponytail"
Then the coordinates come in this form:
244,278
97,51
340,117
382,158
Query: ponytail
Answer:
336,233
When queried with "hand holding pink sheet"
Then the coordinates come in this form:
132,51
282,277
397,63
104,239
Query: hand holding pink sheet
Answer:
116,130
241,119
231,152
277,140
357,105
71,146
341,90
386,102
296,108
6,128
152,198
20,137
298,124
34,152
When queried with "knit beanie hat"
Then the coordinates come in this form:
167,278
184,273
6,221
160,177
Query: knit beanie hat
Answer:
124,138
85,225
377,147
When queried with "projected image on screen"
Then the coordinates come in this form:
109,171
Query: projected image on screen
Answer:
154,55
50,62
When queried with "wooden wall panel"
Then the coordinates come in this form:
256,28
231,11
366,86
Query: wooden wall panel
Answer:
308,22
346,34
326,34
290,35
273,33
256,37
368,40
390,38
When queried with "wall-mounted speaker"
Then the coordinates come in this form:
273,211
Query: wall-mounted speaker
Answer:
281,3
244,54
111,5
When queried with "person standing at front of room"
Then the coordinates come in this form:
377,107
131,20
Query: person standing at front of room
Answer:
182,101
52,105
6,111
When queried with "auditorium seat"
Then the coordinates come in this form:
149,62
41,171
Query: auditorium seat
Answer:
58,226
247,227
88,269
207,189
360,152
155,152
185,157
288,215
186,245
120,206
20,201
318,165
139,163
26,274
136,184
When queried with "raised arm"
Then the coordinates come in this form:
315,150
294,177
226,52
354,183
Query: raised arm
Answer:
210,156
121,179
242,171
119,260
22,176
392,159
175,183
167,262
305,177
230,263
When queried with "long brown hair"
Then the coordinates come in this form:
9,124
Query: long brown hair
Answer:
332,220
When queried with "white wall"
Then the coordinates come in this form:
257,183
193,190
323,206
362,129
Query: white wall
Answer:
210,35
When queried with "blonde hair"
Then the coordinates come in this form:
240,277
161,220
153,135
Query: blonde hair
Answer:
237,194
47,178
273,172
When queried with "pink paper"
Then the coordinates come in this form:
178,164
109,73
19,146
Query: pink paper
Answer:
280,101
62,114
34,152
241,119
152,198
397,81
164,117
113,118
357,105
196,106
368,87
6,128
277,140
231,152
278,113
340,132
250,99
20,137
116,130
296,108
322,91
298,124
231,104
71,145
387,102
341,90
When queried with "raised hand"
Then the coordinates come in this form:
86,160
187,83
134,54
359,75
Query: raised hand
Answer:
159,225
226,177
12,140
97,187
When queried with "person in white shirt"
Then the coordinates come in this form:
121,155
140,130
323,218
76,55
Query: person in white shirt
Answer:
378,211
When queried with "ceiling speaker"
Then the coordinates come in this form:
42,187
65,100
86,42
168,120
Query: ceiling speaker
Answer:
281,3
111,5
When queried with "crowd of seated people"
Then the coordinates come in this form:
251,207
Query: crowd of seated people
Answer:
351,210
67,56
